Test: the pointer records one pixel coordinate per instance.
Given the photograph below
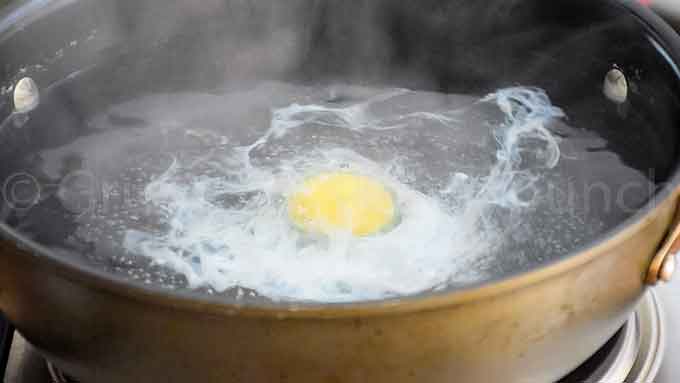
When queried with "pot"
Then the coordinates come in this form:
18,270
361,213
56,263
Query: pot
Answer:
534,324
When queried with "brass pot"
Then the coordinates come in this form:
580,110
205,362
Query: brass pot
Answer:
533,326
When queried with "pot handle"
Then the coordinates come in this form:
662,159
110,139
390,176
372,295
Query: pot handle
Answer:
663,265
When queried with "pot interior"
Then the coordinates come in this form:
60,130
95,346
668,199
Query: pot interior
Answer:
501,112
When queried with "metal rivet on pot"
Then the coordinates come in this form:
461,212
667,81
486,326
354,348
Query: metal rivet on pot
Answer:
26,95
616,86
667,269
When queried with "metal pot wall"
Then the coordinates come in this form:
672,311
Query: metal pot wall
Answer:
532,326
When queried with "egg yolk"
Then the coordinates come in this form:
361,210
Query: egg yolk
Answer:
342,202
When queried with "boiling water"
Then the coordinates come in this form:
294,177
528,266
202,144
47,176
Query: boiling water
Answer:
193,188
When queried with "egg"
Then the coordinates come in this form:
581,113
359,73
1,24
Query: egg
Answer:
342,202
329,203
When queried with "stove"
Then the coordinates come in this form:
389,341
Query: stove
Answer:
634,354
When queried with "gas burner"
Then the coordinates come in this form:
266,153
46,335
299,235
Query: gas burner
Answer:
634,354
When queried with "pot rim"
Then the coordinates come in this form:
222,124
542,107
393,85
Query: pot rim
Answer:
194,301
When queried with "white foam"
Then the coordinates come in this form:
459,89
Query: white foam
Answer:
253,245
